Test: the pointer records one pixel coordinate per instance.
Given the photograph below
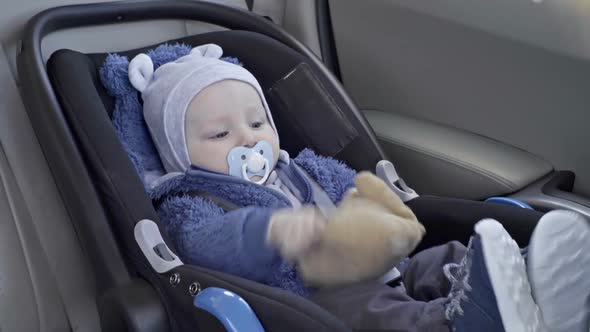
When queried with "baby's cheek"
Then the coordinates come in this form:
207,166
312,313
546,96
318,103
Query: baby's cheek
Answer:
275,149
218,158
275,153
271,137
193,154
212,157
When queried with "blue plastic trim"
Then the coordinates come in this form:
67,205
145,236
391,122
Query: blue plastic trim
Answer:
229,308
509,201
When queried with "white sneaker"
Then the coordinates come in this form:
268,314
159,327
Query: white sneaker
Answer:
558,266
508,277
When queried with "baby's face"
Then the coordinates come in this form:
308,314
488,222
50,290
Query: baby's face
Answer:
222,116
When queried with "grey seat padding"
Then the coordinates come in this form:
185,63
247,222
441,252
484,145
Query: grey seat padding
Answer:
439,160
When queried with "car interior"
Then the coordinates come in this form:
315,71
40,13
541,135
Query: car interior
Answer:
467,100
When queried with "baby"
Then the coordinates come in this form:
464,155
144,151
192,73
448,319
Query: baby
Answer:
233,201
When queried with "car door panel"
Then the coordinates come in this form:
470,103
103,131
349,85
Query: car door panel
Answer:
411,62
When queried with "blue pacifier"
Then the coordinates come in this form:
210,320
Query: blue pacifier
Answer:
247,162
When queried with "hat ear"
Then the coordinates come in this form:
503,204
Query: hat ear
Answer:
208,51
141,70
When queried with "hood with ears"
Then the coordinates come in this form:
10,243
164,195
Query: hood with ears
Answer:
168,92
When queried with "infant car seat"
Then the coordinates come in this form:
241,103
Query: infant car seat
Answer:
70,111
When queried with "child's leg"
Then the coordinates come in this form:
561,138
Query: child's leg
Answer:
374,306
423,275
561,280
418,306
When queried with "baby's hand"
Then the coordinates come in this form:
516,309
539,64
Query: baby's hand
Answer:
293,232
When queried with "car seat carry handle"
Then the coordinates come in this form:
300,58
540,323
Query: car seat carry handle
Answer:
32,69
229,308
386,171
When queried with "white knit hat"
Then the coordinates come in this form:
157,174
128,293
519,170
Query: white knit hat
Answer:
168,91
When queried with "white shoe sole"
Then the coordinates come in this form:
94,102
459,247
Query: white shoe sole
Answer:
508,276
559,270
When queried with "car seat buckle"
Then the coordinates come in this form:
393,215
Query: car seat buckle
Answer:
386,171
148,237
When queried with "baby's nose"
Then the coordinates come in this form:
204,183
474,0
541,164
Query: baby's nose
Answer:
249,141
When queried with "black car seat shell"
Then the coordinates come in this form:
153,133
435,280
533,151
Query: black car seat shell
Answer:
105,197
87,106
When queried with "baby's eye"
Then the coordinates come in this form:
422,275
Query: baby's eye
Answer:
219,135
257,124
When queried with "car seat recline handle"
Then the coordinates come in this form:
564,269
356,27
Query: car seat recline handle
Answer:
386,171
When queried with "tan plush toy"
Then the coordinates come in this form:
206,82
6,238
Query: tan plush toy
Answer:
370,231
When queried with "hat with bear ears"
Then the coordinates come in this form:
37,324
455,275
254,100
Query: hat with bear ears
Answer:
168,92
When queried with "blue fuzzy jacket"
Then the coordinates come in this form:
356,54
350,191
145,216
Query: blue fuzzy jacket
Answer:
234,242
